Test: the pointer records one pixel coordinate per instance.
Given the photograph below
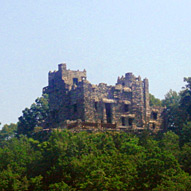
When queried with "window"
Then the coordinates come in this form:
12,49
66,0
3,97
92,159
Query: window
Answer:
154,115
123,121
75,81
75,108
108,112
126,107
130,121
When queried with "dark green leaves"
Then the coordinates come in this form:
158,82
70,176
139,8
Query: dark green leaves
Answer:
34,116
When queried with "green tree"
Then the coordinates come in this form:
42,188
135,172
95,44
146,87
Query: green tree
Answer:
34,116
18,166
184,157
178,182
60,186
155,168
185,136
185,101
173,113
170,143
153,101
8,131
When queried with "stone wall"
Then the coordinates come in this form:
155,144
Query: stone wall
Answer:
72,97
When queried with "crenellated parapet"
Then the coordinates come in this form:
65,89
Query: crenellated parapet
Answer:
125,105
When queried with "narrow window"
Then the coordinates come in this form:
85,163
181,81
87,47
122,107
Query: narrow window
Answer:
123,121
75,108
108,112
126,107
75,81
130,121
154,115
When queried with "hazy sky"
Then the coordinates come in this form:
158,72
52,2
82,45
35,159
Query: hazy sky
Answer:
151,38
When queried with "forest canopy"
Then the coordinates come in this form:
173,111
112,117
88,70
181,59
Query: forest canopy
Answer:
32,159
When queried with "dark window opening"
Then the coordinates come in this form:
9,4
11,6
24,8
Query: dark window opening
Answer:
95,105
123,121
130,121
108,112
123,83
153,126
154,115
126,107
52,82
75,81
75,108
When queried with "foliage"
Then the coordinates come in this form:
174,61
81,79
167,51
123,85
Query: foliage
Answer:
170,143
8,131
185,136
185,156
178,107
94,161
34,116
63,160
173,112
153,101
185,101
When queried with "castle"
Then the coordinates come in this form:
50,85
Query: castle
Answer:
76,103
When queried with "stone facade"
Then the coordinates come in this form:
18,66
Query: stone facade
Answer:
74,100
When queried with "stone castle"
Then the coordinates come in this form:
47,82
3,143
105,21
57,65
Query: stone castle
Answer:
76,103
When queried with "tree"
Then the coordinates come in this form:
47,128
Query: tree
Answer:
185,101
34,116
8,131
18,164
178,107
185,136
158,168
153,101
170,143
173,113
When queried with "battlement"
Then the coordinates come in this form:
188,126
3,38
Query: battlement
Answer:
72,97
62,66
65,77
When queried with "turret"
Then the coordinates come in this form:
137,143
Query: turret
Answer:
62,66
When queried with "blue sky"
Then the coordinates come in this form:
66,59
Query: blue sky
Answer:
151,38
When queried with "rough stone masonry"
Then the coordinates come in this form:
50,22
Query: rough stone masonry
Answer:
76,103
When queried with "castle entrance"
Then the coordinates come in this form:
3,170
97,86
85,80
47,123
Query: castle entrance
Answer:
108,112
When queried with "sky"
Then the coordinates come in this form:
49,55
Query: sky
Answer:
108,38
